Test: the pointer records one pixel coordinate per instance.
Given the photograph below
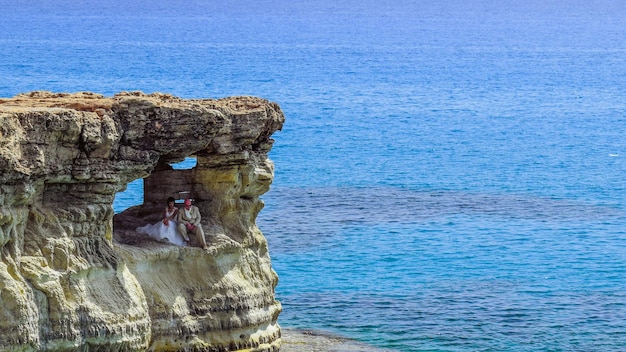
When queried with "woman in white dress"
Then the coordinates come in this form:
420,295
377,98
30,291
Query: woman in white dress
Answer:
165,230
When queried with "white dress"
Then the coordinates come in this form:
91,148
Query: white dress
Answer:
163,233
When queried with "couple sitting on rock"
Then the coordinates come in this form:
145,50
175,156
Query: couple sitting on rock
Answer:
177,224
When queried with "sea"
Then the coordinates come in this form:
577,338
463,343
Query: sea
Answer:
451,173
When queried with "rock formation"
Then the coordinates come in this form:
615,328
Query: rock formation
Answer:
74,276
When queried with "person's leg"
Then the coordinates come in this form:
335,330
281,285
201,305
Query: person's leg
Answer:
183,231
200,235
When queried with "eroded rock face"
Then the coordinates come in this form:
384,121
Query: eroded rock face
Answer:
74,276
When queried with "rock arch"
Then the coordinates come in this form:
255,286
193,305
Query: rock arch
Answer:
74,280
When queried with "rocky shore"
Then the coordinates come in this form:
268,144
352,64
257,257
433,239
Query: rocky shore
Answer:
298,340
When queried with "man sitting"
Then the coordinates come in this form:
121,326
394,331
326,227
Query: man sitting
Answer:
189,221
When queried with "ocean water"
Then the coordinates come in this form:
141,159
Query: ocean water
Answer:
450,176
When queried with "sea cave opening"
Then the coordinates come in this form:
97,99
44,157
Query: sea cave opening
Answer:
143,200
134,193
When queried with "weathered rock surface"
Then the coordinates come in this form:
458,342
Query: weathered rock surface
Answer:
76,277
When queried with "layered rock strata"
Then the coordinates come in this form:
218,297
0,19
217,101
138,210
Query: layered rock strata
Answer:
74,276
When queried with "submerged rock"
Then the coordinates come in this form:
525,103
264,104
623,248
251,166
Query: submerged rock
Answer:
75,276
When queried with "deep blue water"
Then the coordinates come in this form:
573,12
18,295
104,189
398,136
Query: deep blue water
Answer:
450,176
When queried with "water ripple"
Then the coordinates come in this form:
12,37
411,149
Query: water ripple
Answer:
451,271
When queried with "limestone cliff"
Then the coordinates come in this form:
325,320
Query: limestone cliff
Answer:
76,277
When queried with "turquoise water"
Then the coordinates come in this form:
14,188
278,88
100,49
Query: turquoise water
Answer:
450,176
